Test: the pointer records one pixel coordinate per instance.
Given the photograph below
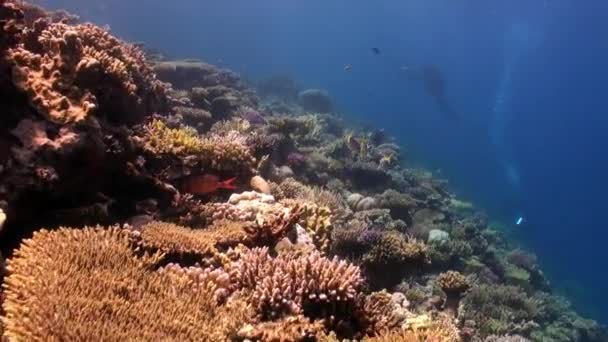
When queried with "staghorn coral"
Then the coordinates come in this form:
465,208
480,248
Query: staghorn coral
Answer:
201,278
293,328
311,285
70,72
88,284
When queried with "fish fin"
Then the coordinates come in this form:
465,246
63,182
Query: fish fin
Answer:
228,184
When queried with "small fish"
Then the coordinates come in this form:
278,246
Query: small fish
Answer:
347,67
206,184
375,50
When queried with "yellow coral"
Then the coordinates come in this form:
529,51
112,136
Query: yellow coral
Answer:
220,153
317,222
161,139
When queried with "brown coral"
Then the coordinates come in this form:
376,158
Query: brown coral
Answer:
181,241
70,72
453,283
439,331
89,285
378,314
289,329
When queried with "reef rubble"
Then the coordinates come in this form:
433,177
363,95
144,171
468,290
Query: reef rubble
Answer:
328,235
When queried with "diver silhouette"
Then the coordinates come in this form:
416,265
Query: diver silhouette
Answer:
435,84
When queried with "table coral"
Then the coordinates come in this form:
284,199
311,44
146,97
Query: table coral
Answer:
88,284
453,283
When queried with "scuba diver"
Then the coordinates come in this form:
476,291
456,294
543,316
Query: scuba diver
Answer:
434,82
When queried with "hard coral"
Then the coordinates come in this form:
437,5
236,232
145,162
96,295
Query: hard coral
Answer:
317,222
498,309
89,284
70,72
160,139
218,153
384,254
453,284
311,285
292,328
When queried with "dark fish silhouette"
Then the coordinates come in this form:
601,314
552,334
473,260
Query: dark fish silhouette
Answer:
376,51
435,85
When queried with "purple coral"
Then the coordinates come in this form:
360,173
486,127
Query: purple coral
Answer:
254,117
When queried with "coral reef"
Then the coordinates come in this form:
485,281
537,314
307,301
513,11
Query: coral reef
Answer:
83,69
88,284
207,88
199,211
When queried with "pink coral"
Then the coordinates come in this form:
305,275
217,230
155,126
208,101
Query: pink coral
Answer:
284,285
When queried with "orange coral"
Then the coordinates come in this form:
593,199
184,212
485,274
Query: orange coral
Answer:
69,72
289,329
221,235
378,314
88,284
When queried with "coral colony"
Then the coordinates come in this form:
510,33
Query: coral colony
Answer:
149,199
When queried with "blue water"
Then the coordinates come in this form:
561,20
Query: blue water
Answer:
528,78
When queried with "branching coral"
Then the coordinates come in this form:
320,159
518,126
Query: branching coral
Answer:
88,284
313,284
379,315
220,153
498,309
384,254
292,328
161,139
173,239
200,243
317,222
70,72
439,330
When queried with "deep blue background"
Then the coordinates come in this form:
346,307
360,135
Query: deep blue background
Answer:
557,126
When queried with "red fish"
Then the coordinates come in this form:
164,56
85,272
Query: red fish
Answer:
206,184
